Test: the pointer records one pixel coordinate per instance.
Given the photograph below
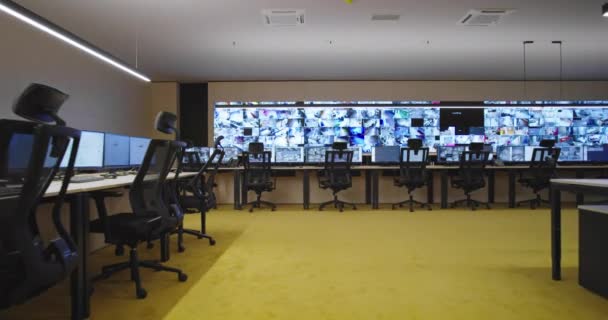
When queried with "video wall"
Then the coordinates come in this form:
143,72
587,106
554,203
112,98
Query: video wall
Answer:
509,127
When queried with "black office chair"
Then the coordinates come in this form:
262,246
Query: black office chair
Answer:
336,175
470,176
258,174
412,172
152,218
196,195
538,177
30,156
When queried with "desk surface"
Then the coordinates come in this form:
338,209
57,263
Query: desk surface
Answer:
429,167
120,181
599,183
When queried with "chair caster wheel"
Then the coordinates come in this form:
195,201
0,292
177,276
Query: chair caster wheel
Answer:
273,209
251,210
182,277
181,249
141,294
211,242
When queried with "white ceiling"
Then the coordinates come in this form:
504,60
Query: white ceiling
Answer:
199,40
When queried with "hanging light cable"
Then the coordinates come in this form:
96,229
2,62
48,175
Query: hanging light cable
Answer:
561,70
525,43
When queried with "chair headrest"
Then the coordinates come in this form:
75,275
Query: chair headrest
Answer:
166,122
476,146
256,147
339,146
414,143
40,103
547,143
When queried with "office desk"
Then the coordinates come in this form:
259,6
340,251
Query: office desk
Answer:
77,193
588,186
372,176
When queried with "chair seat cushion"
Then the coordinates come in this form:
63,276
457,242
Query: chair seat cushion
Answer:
128,226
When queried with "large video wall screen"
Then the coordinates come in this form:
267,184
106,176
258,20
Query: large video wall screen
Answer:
504,127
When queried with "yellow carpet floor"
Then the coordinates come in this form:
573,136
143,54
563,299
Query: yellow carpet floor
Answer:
382,264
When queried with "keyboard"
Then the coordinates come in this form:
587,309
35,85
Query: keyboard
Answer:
87,178
9,191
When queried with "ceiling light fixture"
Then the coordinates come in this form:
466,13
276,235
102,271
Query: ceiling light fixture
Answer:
605,10
42,24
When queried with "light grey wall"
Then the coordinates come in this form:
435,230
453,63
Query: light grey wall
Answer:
101,97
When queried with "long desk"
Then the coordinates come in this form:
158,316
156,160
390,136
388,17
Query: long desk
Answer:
588,186
78,195
372,175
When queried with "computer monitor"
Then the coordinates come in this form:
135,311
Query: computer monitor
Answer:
315,154
597,153
386,154
90,151
20,152
116,151
137,150
449,154
288,155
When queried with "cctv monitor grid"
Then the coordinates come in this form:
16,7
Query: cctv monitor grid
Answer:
509,130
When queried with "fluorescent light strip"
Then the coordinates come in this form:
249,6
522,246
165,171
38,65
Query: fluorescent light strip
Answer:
72,42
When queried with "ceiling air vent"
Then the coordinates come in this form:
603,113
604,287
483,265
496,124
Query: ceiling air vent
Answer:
386,17
484,17
283,17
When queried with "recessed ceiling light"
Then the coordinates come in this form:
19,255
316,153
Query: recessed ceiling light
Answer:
605,10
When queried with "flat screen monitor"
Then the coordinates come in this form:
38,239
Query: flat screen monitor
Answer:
20,151
137,150
289,155
386,154
450,154
116,151
597,153
315,154
462,119
90,151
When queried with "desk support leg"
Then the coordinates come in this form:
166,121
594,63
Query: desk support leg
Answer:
79,225
375,189
556,232
580,197
444,189
491,184
429,188
306,188
244,191
511,189
368,184
237,189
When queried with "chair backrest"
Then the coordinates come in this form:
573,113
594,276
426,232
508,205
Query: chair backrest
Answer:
544,162
258,167
337,167
202,184
472,165
412,164
30,157
146,193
